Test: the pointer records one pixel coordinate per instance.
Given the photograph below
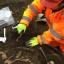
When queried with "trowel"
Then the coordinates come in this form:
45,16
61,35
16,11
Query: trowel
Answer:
47,62
52,48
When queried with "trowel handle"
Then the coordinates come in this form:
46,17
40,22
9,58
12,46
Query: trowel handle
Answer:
41,50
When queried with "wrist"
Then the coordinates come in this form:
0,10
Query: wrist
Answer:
24,22
39,40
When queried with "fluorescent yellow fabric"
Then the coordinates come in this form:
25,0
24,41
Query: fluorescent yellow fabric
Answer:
29,13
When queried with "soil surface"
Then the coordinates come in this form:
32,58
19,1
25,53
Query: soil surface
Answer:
13,52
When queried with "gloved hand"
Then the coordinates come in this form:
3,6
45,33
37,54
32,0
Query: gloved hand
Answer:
21,27
32,42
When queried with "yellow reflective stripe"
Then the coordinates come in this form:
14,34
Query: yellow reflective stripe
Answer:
33,9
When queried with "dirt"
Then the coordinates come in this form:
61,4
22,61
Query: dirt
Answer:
12,52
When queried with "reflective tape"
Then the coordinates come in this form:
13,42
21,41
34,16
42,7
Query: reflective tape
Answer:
43,41
26,18
33,9
55,33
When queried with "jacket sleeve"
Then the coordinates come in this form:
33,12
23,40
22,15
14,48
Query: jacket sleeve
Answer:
32,10
45,38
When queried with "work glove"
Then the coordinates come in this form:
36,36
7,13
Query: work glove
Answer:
32,42
21,28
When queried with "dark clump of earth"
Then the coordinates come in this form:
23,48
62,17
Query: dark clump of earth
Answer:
13,52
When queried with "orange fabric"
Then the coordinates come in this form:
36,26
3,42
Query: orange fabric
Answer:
47,37
38,5
62,47
29,13
39,40
50,39
48,12
58,25
24,22
54,43
56,18
53,17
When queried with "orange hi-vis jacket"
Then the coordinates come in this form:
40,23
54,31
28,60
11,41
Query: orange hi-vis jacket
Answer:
55,21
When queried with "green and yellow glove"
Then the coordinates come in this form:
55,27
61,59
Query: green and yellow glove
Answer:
32,42
21,27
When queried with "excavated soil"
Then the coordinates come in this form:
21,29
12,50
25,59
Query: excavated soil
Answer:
13,52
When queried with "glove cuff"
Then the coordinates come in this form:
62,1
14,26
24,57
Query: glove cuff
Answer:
39,40
24,22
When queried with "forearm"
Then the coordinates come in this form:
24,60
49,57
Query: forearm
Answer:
32,10
45,38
